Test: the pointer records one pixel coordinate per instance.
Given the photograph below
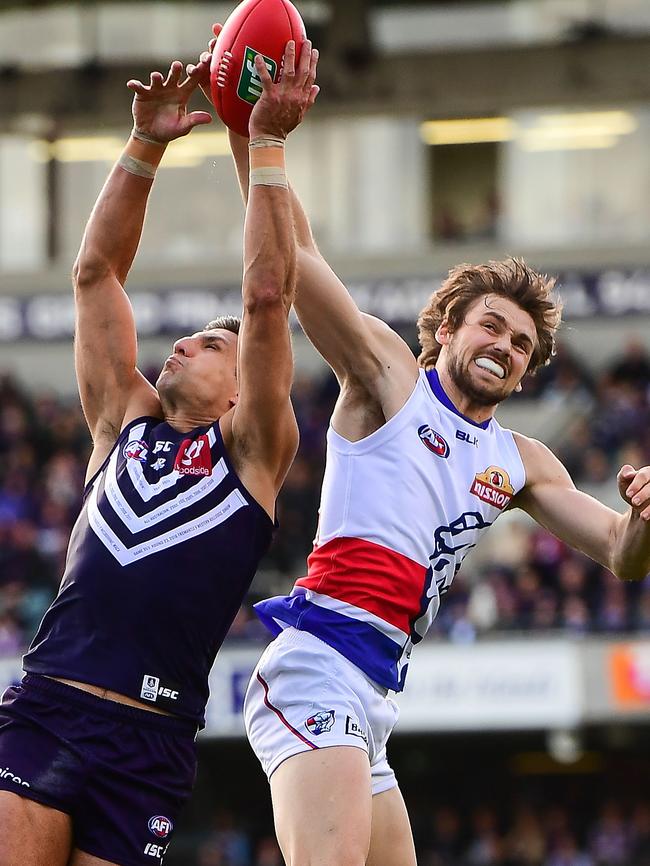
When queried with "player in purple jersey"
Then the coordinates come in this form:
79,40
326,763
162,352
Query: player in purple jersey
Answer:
97,742
316,715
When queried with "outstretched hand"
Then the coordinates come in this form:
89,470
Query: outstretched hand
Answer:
634,487
200,72
160,107
282,106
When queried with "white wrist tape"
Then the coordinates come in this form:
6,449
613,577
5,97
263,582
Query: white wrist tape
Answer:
266,141
142,136
137,166
269,175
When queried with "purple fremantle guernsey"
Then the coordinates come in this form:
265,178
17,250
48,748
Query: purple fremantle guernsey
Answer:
160,558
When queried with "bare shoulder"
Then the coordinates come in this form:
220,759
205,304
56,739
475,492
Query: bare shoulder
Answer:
142,402
261,469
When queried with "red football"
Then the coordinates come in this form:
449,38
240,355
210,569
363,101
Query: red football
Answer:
254,27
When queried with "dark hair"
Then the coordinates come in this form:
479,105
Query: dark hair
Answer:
511,278
224,323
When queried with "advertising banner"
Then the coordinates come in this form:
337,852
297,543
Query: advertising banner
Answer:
500,685
397,300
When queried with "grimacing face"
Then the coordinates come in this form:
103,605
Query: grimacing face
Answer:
488,355
201,371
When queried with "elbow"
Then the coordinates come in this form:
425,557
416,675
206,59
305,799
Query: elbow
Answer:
265,288
264,293
89,269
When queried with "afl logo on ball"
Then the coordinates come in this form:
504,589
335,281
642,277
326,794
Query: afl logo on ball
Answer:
160,826
136,449
433,441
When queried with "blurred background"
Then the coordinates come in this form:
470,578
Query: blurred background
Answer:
444,132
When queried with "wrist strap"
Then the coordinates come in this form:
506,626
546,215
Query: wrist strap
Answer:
267,163
142,136
265,141
137,166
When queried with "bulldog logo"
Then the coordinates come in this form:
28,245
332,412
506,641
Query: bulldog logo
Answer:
320,722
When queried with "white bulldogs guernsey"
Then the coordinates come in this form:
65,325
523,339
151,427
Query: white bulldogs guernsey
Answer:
400,509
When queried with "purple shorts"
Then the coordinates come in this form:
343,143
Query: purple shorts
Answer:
121,773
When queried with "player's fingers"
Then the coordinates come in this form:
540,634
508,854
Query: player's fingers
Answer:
216,29
303,64
313,66
313,93
626,471
155,79
206,57
197,118
640,479
138,86
175,72
641,497
289,59
263,72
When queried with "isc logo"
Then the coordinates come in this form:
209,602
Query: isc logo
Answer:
152,690
154,850
167,693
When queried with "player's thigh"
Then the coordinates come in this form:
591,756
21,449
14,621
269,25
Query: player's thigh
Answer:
32,834
322,805
391,840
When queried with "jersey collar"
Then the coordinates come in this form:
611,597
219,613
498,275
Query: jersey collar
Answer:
440,393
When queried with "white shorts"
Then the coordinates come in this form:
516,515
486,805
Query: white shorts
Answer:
305,695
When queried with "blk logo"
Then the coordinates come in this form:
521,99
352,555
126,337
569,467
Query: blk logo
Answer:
466,437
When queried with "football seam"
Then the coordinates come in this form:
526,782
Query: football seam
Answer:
234,39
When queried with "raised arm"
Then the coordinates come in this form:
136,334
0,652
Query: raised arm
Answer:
112,390
620,542
264,432
357,346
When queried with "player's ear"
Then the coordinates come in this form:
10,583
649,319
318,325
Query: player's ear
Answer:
443,334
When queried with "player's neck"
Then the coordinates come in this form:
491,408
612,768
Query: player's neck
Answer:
463,402
184,424
183,418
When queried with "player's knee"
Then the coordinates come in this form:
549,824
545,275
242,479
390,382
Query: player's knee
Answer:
327,852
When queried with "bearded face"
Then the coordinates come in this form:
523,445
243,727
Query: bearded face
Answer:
488,355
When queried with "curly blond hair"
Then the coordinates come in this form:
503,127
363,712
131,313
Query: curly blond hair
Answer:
510,278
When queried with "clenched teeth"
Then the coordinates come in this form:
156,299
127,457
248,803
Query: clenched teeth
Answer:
492,366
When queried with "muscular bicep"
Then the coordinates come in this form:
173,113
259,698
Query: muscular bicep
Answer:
551,499
109,383
354,344
263,422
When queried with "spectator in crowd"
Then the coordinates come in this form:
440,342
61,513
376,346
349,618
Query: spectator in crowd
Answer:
532,582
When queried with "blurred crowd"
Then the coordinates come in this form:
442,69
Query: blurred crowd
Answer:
547,834
534,582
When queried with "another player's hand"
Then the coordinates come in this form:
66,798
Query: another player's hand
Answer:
282,106
160,107
634,487
201,71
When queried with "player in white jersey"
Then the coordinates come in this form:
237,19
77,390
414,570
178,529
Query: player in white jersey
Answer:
417,470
